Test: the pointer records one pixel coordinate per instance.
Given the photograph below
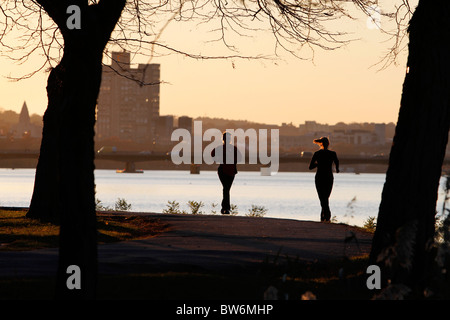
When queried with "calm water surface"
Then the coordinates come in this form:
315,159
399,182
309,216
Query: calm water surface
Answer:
289,195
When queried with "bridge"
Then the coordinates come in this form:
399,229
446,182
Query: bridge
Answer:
143,157
133,157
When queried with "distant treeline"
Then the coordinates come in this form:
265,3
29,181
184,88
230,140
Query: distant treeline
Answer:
10,117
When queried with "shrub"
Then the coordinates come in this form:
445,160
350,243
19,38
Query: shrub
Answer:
233,209
256,211
370,224
173,207
122,205
195,207
100,207
213,208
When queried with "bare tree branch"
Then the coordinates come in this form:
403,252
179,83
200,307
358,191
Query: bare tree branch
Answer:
294,24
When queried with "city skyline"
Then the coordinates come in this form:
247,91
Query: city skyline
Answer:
336,86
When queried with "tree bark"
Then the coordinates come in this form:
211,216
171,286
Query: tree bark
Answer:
64,190
406,218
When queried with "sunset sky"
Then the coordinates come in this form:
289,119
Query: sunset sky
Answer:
341,85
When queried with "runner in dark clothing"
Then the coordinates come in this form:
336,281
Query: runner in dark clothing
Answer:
228,156
323,161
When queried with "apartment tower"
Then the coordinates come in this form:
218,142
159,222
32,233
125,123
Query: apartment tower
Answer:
128,102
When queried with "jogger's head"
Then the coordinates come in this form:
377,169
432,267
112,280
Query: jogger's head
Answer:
323,142
226,137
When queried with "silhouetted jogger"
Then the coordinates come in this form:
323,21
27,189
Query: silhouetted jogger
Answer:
228,156
323,160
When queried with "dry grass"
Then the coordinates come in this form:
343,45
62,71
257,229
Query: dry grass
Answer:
20,233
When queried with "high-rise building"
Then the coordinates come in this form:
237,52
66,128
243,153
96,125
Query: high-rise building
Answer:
164,130
128,102
185,122
380,132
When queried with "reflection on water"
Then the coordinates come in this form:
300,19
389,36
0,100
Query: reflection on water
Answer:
289,195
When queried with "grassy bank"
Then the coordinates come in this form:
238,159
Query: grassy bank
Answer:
18,233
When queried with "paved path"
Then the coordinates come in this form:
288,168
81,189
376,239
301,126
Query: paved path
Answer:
215,242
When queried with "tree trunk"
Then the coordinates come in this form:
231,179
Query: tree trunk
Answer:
45,199
64,189
78,244
406,218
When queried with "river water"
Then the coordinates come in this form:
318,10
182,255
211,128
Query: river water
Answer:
291,195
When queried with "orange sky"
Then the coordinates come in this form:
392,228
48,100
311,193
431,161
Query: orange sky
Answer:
338,86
